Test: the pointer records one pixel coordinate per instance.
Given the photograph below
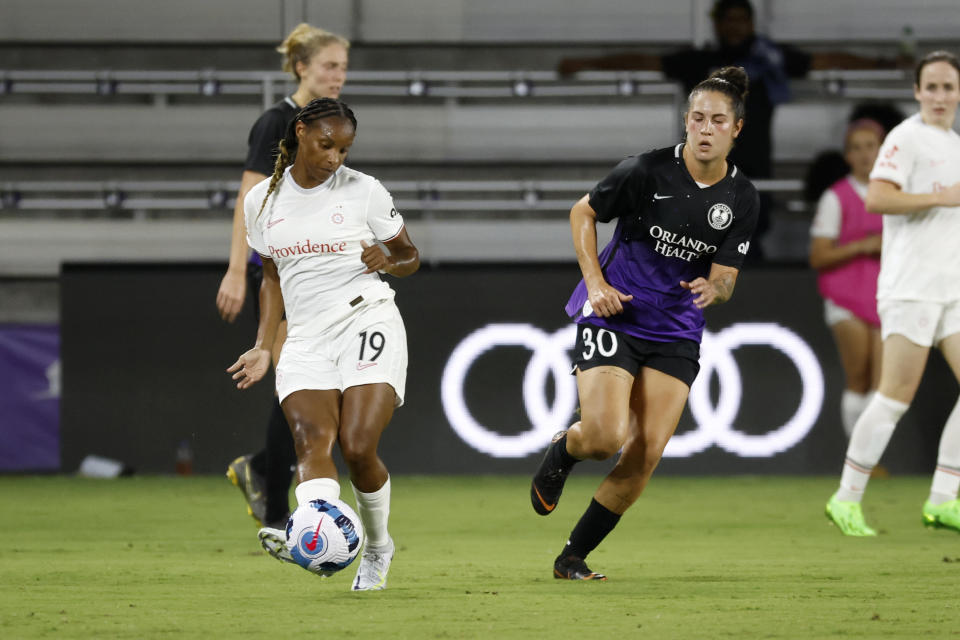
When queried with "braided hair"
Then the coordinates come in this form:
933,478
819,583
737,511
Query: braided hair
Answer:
287,148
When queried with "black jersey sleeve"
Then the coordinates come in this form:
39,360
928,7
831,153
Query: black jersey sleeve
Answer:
620,191
265,134
736,244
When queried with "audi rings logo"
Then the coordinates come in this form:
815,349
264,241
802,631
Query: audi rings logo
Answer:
715,422
549,356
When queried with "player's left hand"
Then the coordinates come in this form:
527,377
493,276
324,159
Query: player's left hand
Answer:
704,290
374,257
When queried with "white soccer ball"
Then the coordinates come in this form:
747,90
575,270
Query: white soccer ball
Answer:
324,536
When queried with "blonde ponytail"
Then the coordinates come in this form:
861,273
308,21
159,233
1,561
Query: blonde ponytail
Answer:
304,41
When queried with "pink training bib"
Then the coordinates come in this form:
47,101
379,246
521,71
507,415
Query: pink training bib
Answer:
853,285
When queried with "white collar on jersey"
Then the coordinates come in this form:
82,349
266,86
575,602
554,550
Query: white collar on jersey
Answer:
918,119
326,184
289,101
676,154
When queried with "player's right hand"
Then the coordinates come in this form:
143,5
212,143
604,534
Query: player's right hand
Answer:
605,300
250,367
950,197
373,257
233,288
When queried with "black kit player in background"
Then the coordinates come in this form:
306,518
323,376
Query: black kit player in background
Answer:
685,219
318,61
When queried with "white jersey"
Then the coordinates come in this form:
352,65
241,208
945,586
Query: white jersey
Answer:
921,257
828,219
314,235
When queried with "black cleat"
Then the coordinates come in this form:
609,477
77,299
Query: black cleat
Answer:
574,568
549,479
242,475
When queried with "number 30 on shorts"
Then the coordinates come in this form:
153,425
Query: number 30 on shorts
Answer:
375,342
606,343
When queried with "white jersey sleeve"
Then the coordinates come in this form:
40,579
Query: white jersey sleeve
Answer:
896,160
251,213
382,216
826,221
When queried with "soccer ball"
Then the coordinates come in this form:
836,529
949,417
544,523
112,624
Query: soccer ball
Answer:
324,536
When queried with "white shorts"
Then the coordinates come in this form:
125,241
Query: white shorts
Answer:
834,313
368,346
923,323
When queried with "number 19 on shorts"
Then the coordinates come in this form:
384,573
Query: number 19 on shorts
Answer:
372,344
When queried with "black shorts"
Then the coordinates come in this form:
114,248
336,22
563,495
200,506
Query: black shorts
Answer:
599,347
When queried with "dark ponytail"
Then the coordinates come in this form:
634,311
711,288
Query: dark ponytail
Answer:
731,82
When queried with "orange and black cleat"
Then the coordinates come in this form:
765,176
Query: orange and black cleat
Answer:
548,482
574,568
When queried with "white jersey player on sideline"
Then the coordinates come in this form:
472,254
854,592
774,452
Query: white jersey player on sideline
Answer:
342,370
914,184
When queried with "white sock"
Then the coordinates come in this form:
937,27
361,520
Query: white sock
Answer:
317,489
946,478
374,511
852,405
867,442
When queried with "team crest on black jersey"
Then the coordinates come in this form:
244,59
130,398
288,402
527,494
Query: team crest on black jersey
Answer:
720,216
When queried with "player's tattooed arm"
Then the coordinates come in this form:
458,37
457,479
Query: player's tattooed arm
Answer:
723,284
715,290
723,279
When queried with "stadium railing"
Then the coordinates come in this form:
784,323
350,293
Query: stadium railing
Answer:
459,84
97,117
46,223
142,199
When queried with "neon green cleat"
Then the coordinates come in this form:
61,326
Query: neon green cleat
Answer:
848,517
946,515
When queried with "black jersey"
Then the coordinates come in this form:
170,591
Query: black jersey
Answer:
669,229
266,133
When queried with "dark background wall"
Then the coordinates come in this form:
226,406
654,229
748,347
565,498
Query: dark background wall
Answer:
144,355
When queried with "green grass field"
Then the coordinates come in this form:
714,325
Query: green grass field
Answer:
745,557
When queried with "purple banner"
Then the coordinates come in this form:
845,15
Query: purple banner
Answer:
30,398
